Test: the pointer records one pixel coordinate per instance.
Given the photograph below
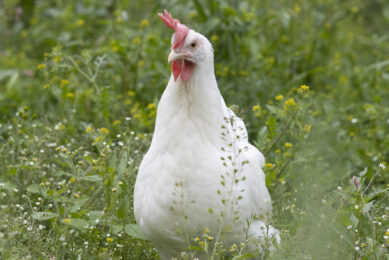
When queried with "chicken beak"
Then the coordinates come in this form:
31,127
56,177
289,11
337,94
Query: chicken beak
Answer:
177,55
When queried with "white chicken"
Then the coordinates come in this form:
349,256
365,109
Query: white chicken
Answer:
200,172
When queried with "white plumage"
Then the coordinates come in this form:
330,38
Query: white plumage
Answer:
200,171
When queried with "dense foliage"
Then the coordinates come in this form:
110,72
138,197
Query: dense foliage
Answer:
80,83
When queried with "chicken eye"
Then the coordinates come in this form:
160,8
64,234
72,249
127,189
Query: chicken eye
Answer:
193,45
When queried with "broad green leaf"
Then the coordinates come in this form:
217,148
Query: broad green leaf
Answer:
78,223
93,216
34,188
134,231
79,203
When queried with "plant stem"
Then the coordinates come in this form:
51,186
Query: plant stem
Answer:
284,130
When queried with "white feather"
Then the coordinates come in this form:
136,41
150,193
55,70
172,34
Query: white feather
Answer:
178,191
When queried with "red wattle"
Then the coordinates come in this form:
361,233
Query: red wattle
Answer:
176,69
184,68
187,69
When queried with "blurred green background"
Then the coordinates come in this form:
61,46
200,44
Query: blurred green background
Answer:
79,86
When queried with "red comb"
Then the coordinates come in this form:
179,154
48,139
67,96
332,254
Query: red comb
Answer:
180,29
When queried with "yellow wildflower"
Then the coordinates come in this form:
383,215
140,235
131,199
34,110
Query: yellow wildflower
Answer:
144,23
363,244
307,128
269,165
72,180
23,33
137,116
343,79
297,9
151,106
109,240
46,86
116,122
279,97
289,104
70,95
201,243
120,183
41,66
57,59
210,238
64,150
64,82
278,151
141,63
207,231
67,220
304,87
115,48
114,189
88,129
136,40
214,38
256,107
288,145
76,195
131,93
243,73
104,130
80,22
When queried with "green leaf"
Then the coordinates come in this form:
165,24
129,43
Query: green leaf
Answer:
123,207
116,227
7,186
375,193
79,203
271,124
78,223
354,220
93,215
123,163
60,173
44,215
274,110
370,243
366,208
134,231
93,178
34,188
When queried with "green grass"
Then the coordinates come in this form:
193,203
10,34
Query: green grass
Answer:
79,86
